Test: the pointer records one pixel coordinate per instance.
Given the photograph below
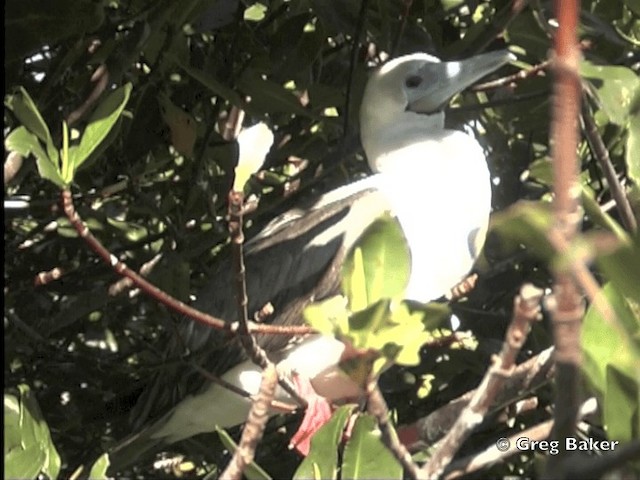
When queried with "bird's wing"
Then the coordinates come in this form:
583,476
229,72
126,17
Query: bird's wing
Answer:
292,262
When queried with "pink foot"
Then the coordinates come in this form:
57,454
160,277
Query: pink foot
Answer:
318,413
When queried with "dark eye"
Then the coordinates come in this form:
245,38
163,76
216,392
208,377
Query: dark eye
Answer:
413,81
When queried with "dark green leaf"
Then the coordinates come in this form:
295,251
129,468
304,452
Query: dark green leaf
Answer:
268,96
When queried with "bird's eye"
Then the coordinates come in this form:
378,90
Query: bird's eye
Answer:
413,81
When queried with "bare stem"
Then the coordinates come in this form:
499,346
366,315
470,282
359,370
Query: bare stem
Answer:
526,311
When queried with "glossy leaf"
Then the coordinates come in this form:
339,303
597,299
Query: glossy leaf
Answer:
28,448
99,468
25,143
379,265
365,456
322,461
100,123
26,111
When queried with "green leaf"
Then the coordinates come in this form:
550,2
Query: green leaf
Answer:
611,351
632,153
100,124
269,97
28,114
365,456
184,132
379,265
99,468
322,461
330,316
621,267
253,470
25,143
28,448
615,87
210,82
622,405
255,12
26,111
526,223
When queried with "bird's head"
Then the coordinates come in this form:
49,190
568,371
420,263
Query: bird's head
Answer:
418,84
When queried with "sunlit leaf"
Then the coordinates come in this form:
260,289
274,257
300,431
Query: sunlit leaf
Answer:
24,142
99,468
255,12
28,448
616,88
101,122
379,265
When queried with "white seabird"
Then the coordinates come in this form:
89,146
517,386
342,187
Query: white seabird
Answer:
425,175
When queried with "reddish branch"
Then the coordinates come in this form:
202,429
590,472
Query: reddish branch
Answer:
162,297
567,307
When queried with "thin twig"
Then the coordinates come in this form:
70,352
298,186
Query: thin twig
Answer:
526,311
378,408
159,295
248,341
526,377
362,15
504,447
403,25
254,428
521,75
101,79
601,154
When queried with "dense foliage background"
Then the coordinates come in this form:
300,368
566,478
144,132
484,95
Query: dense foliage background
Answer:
82,345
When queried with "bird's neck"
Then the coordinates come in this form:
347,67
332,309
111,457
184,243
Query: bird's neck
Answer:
383,136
